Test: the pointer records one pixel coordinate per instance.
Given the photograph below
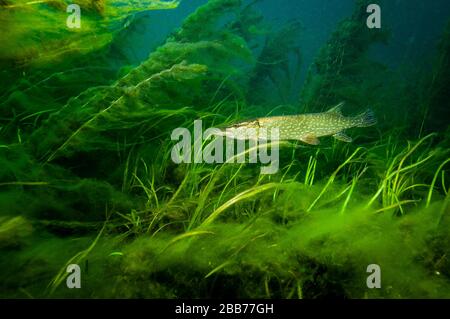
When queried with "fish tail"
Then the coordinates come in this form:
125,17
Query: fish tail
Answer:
365,119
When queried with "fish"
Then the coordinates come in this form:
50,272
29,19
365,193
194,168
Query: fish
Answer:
307,128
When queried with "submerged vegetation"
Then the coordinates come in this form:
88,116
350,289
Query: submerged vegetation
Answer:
86,174
36,31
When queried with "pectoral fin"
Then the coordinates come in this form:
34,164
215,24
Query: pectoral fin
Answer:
341,136
310,139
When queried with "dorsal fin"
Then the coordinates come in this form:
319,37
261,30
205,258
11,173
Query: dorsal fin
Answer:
336,109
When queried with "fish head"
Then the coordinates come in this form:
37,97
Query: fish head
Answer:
242,130
246,124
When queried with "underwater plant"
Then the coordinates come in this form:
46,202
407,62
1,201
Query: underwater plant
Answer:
44,62
343,61
437,99
204,23
160,85
274,68
26,23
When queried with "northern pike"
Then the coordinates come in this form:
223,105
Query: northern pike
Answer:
304,127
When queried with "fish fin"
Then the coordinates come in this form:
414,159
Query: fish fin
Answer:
365,119
341,136
310,139
336,109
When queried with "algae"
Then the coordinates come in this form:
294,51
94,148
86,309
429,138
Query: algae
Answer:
48,21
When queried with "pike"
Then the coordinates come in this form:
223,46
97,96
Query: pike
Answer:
304,127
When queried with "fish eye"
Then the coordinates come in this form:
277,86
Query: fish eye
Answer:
238,125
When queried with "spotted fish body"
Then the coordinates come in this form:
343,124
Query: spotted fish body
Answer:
304,127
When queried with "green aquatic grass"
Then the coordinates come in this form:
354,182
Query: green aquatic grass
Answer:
433,183
399,176
77,259
312,182
332,178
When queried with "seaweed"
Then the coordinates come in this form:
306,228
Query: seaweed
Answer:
175,76
204,24
274,69
437,99
43,66
342,62
48,21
